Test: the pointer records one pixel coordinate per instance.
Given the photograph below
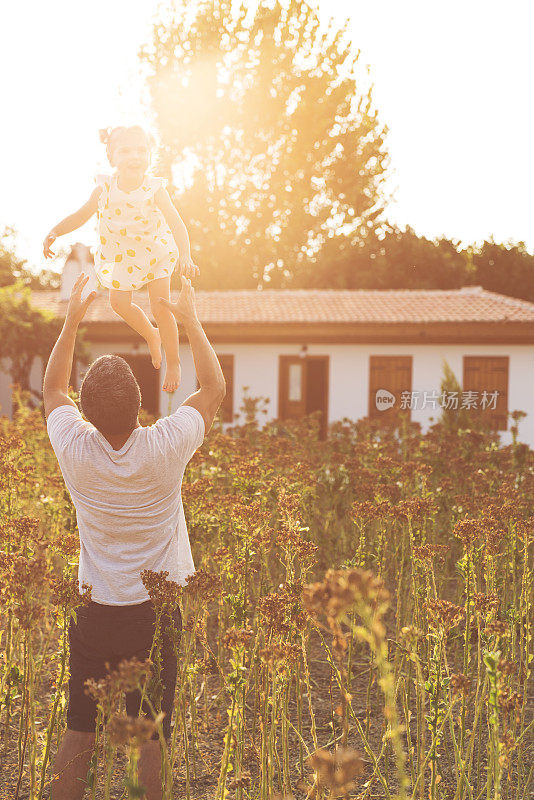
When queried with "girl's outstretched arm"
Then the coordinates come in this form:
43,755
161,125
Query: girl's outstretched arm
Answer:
179,231
73,221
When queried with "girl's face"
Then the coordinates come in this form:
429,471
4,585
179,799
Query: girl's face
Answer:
131,155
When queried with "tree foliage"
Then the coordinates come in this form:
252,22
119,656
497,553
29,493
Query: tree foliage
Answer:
24,332
14,269
454,418
27,333
504,268
390,258
271,147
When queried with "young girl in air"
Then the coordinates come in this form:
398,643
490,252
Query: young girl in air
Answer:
142,239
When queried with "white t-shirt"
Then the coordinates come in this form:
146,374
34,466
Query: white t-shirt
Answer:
128,502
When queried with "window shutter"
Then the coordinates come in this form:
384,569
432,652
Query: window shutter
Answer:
489,374
394,374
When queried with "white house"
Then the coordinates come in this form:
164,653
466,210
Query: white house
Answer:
349,354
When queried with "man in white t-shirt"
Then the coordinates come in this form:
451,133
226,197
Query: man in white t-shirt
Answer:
125,483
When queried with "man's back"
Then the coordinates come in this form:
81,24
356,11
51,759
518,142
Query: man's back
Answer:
128,501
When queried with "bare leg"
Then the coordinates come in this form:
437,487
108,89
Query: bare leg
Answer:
71,765
150,770
166,322
135,317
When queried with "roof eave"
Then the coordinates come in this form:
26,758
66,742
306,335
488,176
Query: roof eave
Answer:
338,332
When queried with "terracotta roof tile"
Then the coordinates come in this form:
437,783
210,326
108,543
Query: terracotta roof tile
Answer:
469,304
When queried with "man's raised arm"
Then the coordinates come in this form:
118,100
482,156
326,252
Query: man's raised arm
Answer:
210,375
59,367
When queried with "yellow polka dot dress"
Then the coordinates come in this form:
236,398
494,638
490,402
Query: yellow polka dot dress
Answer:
136,244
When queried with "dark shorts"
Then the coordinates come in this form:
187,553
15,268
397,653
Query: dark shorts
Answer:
112,633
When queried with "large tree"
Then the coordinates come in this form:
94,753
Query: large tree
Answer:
271,148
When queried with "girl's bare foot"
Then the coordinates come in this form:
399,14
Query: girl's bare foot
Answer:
154,345
173,375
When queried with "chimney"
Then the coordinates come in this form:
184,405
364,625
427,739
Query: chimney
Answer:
79,260
476,289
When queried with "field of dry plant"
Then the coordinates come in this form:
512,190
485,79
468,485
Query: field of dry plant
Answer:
359,625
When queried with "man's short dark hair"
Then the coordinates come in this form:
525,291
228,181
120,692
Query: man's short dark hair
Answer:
110,396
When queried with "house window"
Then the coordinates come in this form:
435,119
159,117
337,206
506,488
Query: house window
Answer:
226,410
488,374
295,389
389,377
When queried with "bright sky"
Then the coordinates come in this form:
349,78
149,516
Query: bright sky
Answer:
452,80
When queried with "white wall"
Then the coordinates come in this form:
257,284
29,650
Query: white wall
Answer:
36,376
36,383
256,366
350,372
5,390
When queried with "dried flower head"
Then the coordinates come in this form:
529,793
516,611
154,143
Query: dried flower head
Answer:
427,552
367,510
65,592
204,586
469,531
485,603
510,702
496,628
414,508
126,678
275,654
506,667
410,636
443,615
281,610
164,594
237,637
25,583
341,589
21,534
337,771
460,684
243,781
496,534
288,538
124,730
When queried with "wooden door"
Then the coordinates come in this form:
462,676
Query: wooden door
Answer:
292,387
317,389
227,405
303,388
